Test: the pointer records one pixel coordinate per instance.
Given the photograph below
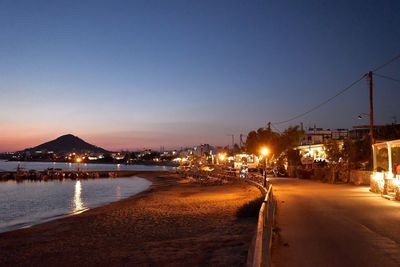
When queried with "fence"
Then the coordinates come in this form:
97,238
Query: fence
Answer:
360,177
260,251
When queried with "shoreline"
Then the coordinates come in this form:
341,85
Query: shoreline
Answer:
38,221
148,175
140,230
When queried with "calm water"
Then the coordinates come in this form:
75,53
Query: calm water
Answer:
40,166
28,203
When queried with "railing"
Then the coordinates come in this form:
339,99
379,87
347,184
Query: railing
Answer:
260,252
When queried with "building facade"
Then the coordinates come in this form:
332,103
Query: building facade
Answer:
315,136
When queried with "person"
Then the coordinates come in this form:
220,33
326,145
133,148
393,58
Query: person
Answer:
397,169
243,172
265,178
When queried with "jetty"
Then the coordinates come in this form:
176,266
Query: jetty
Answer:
49,174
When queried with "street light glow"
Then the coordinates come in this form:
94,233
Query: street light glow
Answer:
78,160
264,151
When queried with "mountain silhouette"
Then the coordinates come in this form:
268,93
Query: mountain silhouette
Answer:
68,143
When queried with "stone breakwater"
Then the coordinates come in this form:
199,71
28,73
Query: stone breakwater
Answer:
54,174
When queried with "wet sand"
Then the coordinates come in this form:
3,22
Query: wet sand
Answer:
174,223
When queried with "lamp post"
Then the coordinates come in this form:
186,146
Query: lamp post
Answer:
264,153
371,123
221,158
361,115
78,160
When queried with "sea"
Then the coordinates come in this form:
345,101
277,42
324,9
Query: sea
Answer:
28,203
7,166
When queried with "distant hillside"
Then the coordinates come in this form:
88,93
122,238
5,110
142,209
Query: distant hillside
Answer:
68,143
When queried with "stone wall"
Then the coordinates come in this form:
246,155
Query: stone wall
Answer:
292,171
360,177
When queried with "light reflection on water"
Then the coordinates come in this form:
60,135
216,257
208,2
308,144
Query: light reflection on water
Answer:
118,192
79,206
28,203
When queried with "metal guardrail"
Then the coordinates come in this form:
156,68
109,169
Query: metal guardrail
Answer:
260,251
261,254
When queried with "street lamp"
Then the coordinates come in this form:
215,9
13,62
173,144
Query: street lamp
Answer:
371,118
221,158
371,124
78,160
264,153
360,116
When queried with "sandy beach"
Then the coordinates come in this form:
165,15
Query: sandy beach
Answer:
174,223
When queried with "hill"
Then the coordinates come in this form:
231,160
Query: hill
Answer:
68,143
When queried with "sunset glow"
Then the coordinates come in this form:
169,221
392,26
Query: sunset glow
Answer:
137,75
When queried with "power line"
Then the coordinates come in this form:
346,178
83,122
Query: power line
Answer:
273,126
387,63
343,91
323,103
386,77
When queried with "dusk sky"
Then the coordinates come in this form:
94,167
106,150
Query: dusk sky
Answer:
136,74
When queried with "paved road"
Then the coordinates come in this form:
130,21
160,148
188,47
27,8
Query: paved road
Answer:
334,225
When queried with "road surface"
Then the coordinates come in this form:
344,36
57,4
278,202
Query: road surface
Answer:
334,225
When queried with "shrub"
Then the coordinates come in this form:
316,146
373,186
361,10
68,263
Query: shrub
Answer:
303,174
250,209
321,173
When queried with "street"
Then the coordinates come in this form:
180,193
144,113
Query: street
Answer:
321,224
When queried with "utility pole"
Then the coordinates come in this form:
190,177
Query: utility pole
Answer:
241,141
233,140
371,116
371,109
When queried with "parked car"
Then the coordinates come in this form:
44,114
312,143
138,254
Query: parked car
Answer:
279,171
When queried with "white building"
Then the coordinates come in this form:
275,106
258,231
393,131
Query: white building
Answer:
314,136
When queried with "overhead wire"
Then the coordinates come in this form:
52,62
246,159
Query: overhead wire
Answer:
386,77
322,103
276,128
386,63
343,91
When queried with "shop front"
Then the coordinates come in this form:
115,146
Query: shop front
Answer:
386,174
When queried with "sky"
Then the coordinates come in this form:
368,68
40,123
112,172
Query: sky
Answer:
146,74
